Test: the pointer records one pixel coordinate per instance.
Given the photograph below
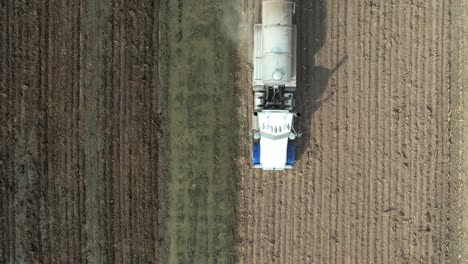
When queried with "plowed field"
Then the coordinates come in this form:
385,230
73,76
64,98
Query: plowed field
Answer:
377,178
79,132
123,134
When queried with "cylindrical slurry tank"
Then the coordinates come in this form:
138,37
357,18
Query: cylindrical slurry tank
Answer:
277,42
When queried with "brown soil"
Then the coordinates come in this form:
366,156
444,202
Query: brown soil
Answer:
89,91
79,132
377,178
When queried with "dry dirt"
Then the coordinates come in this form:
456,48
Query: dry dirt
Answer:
123,134
79,132
377,178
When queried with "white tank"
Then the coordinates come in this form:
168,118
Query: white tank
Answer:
277,42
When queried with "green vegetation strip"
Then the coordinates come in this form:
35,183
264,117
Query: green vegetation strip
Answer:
202,132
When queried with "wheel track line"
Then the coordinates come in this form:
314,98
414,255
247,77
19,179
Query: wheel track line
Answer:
410,109
263,219
419,208
343,204
301,237
6,202
131,184
432,99
436,205
303,166
322,198
253,196
304,195
389,130
82,189
374,96
12,49
314,225
365,133
350,112
442,114
354,81
115,144
385,184
269,236
47,85
328,126
277,217
292,214
177,198
370,236
358,162
326,188
392,134
44,40
285,220
297,191
293,194
127,184
400,178
75,134
335,170
378,147
124,162
248,197
315,131
282,215
285,223
439,187
116,83
252,216
387,134
405,125
426,148
318,208
323,249
323,191
255,213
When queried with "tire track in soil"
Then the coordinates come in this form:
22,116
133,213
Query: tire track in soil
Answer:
342,184
410,124
364,132
285,206
350,112
329,118
388,184
378,147
397,110
432,106
7,113
417,117
393,184
426,148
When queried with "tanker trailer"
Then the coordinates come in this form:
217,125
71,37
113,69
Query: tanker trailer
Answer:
274,86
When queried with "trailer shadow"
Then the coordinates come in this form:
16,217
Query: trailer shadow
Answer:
312,79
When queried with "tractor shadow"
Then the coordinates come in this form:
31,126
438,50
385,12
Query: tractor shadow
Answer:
312,79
